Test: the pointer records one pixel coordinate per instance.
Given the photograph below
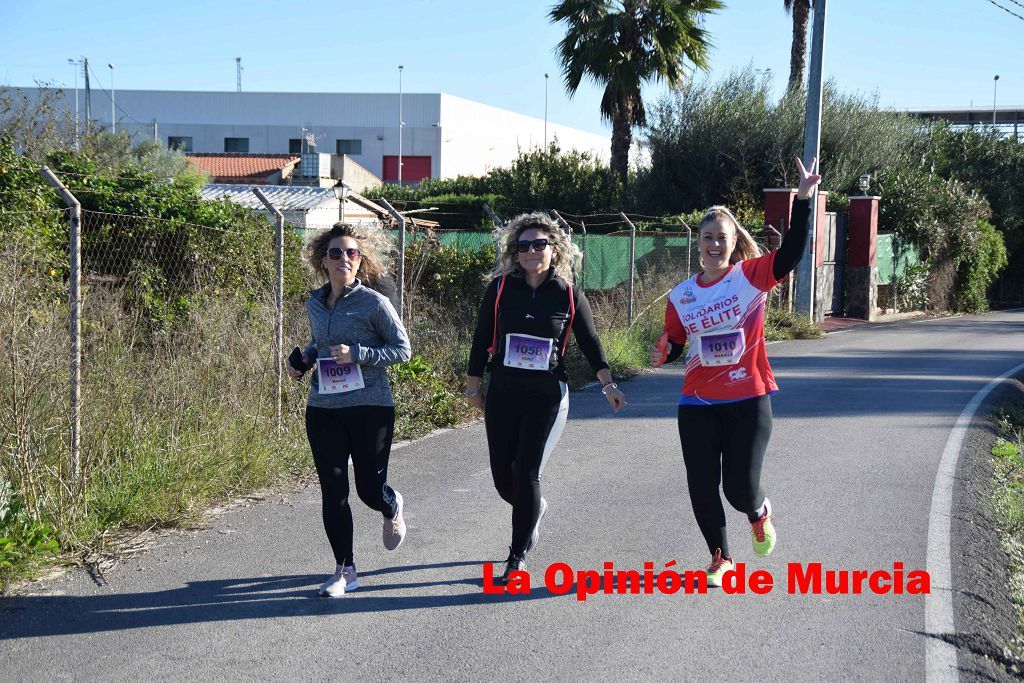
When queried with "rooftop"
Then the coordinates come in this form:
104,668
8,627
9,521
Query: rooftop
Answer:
242,166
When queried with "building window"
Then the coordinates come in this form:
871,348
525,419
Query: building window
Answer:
180,143
350,147
238,145
295,146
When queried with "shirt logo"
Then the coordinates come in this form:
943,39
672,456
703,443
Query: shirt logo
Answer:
687,297
529,317
737,374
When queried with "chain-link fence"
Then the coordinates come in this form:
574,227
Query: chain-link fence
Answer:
126,335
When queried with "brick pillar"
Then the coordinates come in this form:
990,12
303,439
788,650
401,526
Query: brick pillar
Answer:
778,203
861,267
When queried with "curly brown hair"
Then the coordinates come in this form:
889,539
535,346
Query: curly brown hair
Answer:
374,246
567,255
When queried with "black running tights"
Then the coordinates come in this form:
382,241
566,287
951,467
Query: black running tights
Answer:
365,433
724,444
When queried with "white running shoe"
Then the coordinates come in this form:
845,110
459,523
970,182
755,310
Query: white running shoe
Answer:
343,581
394,529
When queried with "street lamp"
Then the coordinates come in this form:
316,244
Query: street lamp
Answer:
113,118
545,112
401,124
864,183
75,63
995,82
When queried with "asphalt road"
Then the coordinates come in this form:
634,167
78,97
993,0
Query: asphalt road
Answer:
860,424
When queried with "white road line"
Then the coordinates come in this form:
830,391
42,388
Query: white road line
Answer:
940,656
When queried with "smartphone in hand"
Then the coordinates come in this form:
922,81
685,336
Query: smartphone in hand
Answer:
295,360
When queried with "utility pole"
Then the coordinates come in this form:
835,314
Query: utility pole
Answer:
995,83
401,124
113,116
545,112
77,63
805,285
88,95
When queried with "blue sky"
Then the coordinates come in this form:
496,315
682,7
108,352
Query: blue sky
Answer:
911,52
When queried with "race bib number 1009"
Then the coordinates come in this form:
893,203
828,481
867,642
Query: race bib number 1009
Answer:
337,378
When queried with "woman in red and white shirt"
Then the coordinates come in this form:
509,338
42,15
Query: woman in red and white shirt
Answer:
725,412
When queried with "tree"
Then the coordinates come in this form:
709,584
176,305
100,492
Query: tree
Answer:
624,44
801,11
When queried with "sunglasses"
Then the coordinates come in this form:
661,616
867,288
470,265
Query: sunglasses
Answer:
334,253
538,245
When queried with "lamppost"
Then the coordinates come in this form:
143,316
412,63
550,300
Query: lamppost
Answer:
545,112
77,64
113,118
864,183
401,124
995,82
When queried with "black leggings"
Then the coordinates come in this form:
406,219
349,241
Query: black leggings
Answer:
724,443
365,433
523,425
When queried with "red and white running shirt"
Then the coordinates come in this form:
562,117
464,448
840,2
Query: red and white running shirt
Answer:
724,321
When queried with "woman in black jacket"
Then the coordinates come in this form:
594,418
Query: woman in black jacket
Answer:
525,318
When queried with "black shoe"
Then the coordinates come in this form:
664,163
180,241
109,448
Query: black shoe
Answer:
512,564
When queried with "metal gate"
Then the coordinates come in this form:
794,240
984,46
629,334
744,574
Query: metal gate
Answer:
833,273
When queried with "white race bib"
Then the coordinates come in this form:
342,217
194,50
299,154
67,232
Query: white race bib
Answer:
337,378
722,348
528,352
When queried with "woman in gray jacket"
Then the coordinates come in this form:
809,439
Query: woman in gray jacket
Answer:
356,334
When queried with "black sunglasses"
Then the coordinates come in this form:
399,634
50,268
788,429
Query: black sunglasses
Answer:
334,253
538,245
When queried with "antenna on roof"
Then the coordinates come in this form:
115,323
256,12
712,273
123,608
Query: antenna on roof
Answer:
238,74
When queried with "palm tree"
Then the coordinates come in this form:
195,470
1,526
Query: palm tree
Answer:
801,11
623,44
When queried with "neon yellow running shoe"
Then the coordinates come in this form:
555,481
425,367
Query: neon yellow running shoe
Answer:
762,532
719,566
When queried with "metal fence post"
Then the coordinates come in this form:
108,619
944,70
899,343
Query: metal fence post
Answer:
583,270
75,306
278,298
498,225
400,275
632,266
565,226
689,247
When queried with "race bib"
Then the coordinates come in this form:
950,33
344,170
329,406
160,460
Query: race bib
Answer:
724,348
528,352
337,378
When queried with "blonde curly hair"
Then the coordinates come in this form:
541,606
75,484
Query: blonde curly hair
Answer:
746,247
374,247
565,258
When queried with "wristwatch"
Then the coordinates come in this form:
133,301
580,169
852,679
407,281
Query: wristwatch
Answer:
604,387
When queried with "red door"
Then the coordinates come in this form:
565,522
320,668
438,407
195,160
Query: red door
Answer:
414,169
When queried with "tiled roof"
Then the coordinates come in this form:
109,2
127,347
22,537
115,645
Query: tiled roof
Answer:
242,167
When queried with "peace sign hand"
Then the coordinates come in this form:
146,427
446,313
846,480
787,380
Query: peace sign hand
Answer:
809,179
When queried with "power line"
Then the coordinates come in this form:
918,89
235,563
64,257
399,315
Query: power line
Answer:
1008,11
119,107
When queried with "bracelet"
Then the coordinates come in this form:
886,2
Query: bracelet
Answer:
613,385
471,394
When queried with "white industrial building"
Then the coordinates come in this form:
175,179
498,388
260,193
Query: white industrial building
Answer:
443,137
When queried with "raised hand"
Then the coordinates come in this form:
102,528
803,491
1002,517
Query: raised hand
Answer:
809,179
